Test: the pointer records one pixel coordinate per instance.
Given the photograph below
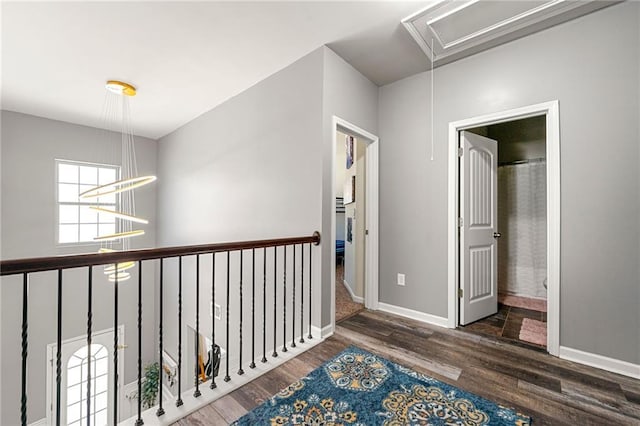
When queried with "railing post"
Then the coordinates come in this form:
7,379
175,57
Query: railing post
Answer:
139,421
293,304
302,294
275,287
25,343
197,393
213,320
310,281
89,327
160,410
227,377
264,305
240,370
253,308
284,302
115,347
179,400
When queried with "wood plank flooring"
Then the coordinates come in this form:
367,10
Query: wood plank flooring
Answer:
552,391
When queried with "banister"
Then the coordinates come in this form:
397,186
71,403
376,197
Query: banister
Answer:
40,264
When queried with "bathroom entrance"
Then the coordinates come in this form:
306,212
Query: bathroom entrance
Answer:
518,239
504,225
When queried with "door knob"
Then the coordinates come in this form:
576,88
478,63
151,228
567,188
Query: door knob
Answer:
497,235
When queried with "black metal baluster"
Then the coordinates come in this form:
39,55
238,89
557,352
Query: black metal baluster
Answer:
89,326
160,410
284,302
59,350
213,320
253,308
25,343
197,393
310,304
302,294
139,421
293,304
240,370
275,286
115,346
179,400
227,377
264,305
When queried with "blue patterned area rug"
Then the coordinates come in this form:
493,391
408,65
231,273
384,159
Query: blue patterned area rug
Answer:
359,388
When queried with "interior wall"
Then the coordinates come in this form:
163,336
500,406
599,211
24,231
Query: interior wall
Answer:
248,169
29,148
350,96
600,182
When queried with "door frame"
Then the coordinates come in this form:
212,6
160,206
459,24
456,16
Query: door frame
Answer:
551,111
371,213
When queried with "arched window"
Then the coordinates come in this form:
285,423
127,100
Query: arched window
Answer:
77,369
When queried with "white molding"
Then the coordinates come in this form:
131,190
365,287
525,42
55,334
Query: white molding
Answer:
372,187
551,111
415,315
190,403
323,332
599,361
41,422
353,296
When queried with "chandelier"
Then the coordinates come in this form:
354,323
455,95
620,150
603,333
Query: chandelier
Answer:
124,187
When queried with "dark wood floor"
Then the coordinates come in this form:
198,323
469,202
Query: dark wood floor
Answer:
552,391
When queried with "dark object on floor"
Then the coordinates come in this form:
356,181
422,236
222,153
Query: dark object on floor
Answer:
213,354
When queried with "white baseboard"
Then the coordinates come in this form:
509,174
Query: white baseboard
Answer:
323,332
605,363
355,298
41,422
416,315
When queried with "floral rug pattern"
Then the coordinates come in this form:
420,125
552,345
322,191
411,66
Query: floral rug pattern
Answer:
358,388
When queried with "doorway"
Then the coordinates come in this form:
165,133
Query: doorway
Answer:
354,230
487,275
77,361
516,244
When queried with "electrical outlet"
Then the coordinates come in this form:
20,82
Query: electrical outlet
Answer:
400,279
218,311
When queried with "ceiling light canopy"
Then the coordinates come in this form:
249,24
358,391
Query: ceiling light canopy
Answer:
120,88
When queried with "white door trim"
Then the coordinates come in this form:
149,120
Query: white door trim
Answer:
551,111
371,213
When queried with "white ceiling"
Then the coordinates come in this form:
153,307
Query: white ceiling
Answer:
184,57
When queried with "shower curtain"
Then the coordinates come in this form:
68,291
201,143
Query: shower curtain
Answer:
522,221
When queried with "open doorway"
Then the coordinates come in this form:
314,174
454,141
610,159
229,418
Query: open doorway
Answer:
476,231
354,230
518,243
350,181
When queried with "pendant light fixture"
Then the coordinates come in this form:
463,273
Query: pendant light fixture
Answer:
124,187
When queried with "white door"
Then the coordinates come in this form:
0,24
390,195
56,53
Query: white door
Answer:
478,233
73,386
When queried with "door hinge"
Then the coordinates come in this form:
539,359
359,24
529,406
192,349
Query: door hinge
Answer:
460,222
460,152
366,232
460,293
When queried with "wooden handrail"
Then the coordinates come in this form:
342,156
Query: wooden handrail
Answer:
39,264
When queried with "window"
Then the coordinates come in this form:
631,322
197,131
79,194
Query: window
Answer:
77,369
77,223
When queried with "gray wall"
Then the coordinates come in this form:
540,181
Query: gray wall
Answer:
29,147
249,169
591,65
352,97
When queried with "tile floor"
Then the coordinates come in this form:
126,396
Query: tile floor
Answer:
507,323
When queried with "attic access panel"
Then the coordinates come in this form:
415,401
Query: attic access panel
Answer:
453,29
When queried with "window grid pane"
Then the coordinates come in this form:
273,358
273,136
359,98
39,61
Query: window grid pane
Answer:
77,223
77,392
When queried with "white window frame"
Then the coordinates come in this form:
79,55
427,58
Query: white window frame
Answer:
58,203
